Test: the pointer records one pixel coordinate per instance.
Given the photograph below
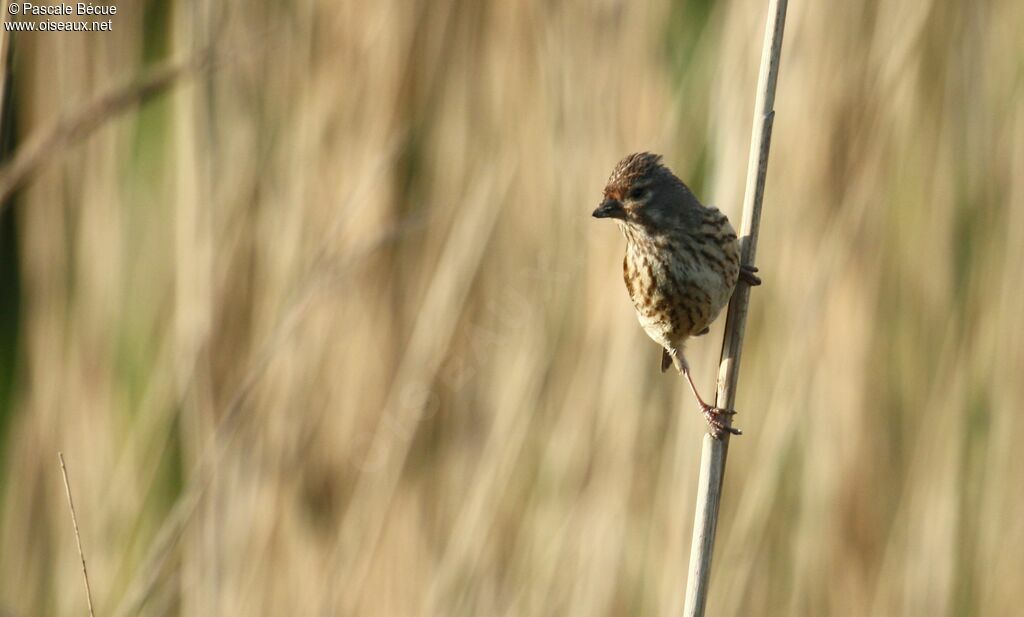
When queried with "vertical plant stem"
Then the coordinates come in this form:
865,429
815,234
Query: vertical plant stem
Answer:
78,538
713,454
5,43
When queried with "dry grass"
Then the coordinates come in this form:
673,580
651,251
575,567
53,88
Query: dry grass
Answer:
331,332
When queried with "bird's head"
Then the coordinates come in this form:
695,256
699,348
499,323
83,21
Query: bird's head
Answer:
643,192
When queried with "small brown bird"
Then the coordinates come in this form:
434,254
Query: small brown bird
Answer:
682,260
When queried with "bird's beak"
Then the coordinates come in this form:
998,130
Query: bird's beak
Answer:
610,209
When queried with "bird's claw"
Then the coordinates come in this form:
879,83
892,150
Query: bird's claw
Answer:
713,417
748,276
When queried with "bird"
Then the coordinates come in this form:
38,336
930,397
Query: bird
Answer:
682,262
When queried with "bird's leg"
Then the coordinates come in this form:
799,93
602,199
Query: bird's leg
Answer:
747,275
711,413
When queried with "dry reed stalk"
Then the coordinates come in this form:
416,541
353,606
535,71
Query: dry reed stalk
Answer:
713,453
42,146
5,46
321,276
78,538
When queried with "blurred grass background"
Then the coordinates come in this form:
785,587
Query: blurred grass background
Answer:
328,330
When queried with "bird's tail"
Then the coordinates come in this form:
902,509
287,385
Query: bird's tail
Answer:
667,360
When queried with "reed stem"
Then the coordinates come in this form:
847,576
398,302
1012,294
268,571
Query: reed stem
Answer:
713,453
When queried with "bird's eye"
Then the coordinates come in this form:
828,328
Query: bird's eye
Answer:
638,192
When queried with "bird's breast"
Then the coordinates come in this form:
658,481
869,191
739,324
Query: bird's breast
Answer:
677,286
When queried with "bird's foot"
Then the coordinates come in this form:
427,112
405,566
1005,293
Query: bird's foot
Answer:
748,276
716,424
